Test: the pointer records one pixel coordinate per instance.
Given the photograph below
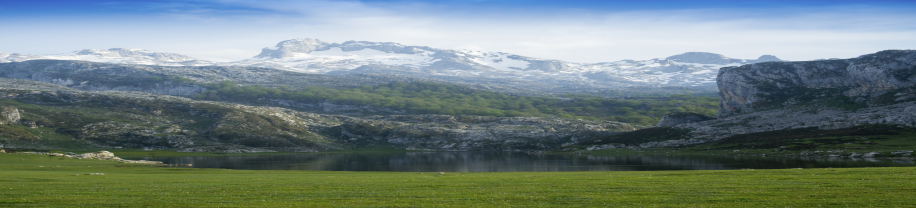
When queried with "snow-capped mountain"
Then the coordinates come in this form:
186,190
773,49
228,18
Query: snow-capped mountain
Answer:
693,69
115,55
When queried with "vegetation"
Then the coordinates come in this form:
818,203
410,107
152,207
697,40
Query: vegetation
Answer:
140,153
34,180
135,123
61,124
882,139
641,136
435,98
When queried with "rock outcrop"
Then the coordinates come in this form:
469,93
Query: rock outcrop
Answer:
464,133
857,81
100,155
9,115
289,48
876,88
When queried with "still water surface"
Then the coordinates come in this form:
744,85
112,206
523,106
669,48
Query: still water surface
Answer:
512,162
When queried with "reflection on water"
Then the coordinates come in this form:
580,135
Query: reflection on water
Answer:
512,162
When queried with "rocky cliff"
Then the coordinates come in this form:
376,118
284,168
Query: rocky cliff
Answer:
877,88
866,81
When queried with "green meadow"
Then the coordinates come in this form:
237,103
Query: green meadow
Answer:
43,181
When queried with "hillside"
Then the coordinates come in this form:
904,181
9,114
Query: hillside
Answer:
761,105
349,94
42,115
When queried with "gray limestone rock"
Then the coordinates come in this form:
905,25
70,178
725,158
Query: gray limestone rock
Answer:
288,48
100,155
9,115
770,85
877,88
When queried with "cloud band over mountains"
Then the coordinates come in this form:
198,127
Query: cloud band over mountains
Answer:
580,31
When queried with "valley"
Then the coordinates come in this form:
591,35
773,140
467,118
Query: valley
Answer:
421,103
403,140
78,104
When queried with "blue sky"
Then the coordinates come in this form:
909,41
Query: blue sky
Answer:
573,30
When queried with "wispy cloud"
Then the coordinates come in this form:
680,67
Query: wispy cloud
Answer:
235,29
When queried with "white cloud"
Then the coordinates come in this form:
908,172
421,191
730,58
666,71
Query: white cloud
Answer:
573,35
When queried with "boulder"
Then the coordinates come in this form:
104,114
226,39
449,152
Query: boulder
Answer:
9,115
101,155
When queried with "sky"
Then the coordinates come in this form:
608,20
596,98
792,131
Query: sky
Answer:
571,30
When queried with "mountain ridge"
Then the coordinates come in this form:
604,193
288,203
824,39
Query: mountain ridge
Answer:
693,71
52,116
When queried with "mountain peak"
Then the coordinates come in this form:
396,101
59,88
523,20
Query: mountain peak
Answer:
287,48
114,52
766,58
701,58
136,54
714,58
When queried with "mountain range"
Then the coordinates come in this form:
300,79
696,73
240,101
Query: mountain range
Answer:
143,99
692,71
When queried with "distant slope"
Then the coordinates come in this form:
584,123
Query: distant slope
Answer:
151,78
50,116
691,72
360,94
114,55
694,70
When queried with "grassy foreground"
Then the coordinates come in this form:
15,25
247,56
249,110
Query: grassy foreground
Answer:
37,180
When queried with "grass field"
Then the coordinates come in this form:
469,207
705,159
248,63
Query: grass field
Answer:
37,180
878,138
138,153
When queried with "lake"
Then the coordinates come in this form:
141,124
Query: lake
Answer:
513,162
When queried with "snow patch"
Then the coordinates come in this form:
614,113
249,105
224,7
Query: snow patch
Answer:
499,61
